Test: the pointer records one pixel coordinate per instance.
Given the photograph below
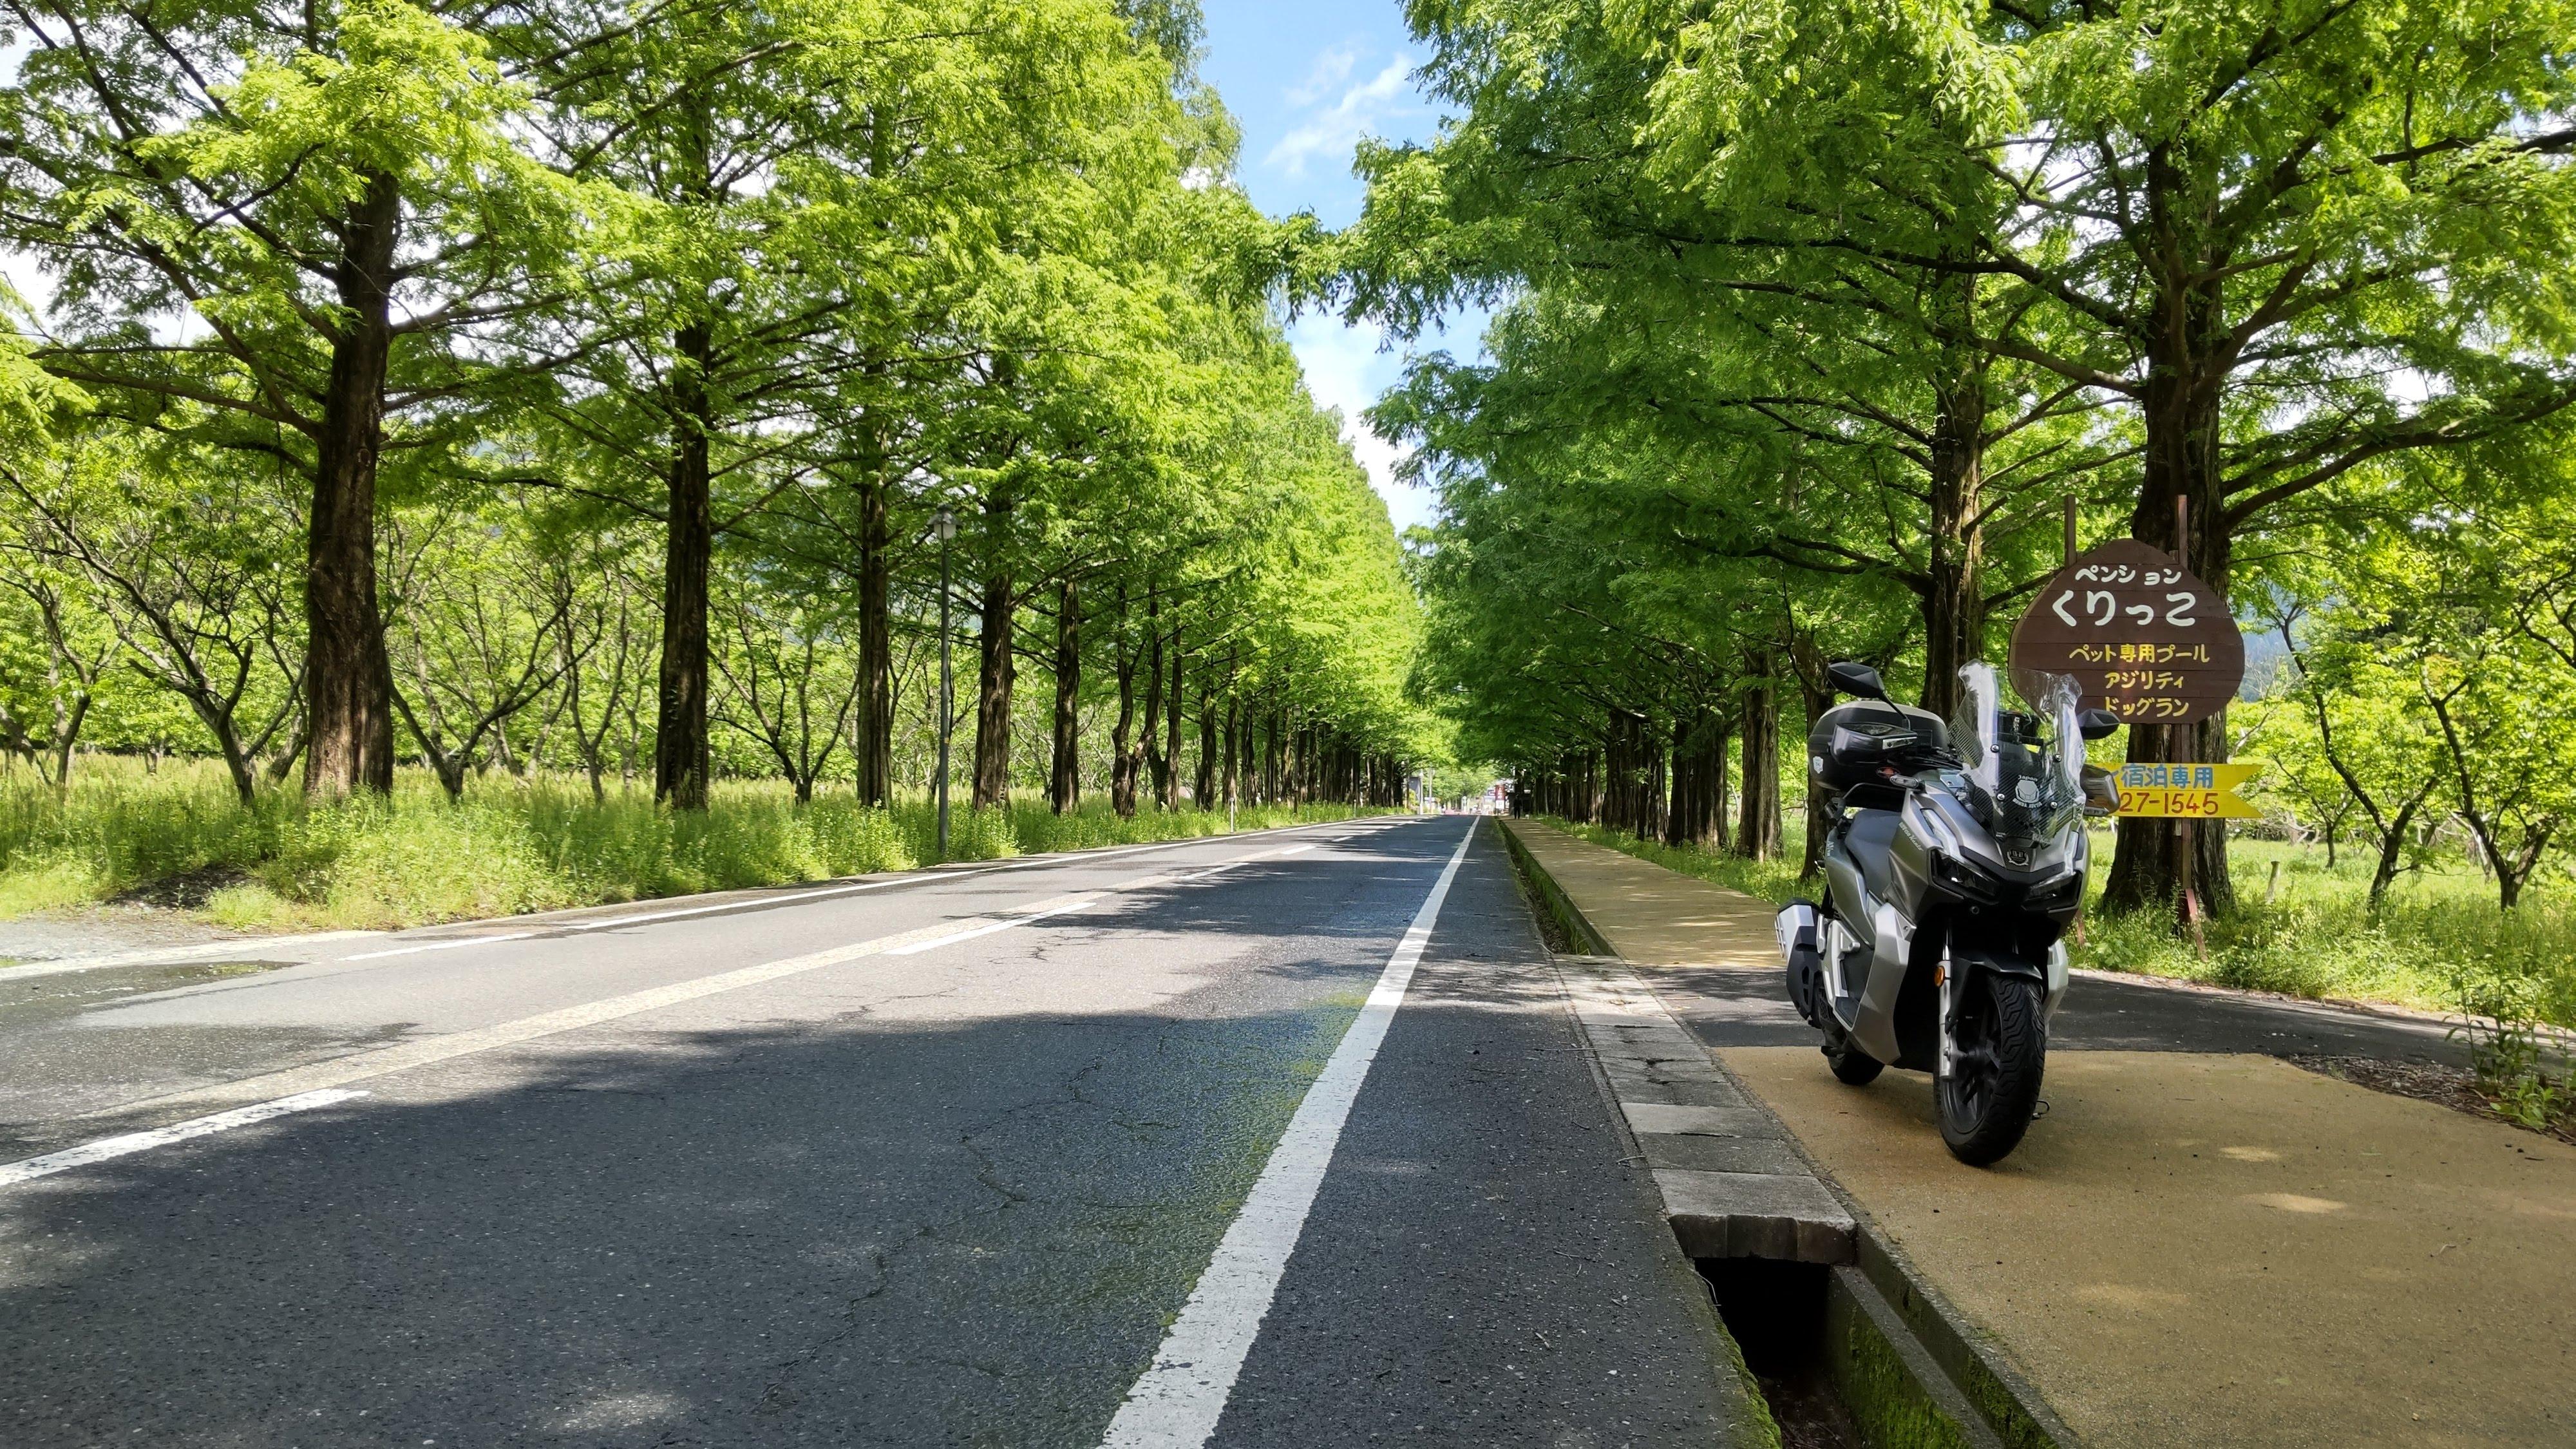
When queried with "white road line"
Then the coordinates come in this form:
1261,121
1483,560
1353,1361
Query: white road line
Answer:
319,1084
1177,1402
441,946
988,928
29,1169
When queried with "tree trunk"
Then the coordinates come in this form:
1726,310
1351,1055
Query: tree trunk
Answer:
1233,748
681,760
1203,788
1155,770
1168,777
1953,598
1123,762
1698,815
872,739
1757,834
2392,846
1064,779
2187,369
348,680
997,669
1818,697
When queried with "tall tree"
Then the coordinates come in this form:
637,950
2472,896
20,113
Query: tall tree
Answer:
334,201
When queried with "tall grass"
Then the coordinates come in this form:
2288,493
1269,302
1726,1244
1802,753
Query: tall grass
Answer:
506,848
2437,940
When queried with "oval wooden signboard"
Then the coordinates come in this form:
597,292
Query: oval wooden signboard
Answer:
2145,640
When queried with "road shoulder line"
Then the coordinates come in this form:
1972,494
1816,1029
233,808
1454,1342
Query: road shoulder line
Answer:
1177,1402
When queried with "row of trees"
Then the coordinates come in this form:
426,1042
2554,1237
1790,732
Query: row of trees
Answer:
573,383
1813,315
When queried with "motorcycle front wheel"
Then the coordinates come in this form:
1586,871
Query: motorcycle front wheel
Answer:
1989,1086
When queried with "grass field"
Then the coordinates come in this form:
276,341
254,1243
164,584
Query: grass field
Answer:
178,837
2438,939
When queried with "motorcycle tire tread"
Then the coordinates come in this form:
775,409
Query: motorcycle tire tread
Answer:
2021,1039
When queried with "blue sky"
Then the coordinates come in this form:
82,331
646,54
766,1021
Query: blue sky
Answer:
1307,81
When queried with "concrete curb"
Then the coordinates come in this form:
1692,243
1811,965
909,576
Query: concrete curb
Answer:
1561,907
1733,1184
1736,1184
238,948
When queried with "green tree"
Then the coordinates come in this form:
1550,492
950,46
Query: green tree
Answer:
329,205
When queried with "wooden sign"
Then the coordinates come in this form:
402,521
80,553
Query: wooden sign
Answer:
2188,791
2141,636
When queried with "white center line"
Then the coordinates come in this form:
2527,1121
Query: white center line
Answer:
318,1084
29,1169
1177,1402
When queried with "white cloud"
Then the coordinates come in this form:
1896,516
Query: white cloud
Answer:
1346,369
1332,67
1332,130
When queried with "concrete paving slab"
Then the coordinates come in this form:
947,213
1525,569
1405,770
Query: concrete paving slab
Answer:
1755,1215
1649,914
1693,1153
1702,1121
2213,1249
2198,1245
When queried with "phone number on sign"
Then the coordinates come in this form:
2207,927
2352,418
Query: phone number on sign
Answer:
2172,802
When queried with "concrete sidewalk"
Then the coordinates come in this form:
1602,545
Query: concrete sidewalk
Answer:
2199,1244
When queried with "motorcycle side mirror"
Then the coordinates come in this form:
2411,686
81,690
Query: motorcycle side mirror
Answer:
2097,724
1857,679
2101,791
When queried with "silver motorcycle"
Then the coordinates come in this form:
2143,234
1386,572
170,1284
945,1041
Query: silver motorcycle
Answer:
1956,861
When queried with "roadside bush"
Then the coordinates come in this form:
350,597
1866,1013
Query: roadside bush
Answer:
510,846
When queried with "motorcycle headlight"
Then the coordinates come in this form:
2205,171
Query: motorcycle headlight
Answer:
2066,890
1965,879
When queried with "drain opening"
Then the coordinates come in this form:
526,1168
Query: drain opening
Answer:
1776,1313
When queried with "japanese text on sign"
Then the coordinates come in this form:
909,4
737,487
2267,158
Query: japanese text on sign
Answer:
2191,791
2141,637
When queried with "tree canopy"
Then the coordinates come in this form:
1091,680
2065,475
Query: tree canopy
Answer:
573,385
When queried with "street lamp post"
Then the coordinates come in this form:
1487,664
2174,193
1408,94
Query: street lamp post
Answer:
943,525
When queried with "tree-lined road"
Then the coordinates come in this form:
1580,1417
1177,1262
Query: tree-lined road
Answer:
944,1172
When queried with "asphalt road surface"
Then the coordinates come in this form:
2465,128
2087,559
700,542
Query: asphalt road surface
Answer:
968,1157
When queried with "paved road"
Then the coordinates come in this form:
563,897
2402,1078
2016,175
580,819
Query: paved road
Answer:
751,1176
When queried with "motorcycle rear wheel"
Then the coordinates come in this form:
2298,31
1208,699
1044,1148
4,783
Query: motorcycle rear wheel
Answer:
1990,1087
1852,1066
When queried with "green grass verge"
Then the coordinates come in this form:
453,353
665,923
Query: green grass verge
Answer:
2437,935
1771,880
509,847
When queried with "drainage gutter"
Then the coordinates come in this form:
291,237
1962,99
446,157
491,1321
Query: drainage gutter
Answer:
1907,1367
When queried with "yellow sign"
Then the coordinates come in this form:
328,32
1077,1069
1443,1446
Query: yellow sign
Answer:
2188,791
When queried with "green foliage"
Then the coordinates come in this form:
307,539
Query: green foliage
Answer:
505,847
2502,1015
1811,315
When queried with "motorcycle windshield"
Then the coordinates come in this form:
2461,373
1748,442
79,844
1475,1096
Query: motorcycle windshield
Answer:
2025,769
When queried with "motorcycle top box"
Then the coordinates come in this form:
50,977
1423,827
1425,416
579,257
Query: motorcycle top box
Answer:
1955,860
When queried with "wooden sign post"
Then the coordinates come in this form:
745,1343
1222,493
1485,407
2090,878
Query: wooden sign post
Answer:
2143,639
2139,635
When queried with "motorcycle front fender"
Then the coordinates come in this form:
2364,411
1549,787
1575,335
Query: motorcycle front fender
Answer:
2049,973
